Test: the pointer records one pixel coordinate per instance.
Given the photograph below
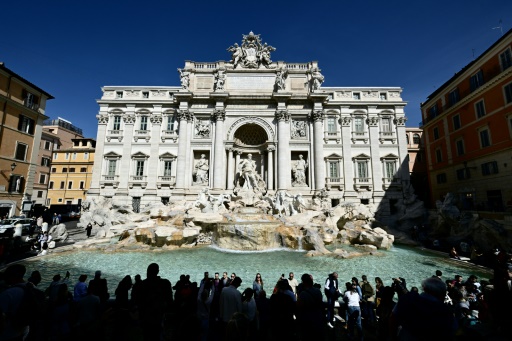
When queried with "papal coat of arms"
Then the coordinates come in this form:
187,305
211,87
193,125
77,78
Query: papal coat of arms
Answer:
251,54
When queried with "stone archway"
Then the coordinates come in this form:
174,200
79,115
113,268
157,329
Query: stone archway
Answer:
250,134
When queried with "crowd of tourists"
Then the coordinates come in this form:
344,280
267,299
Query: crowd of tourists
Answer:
216,307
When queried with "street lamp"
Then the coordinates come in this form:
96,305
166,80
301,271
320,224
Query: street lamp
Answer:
13,165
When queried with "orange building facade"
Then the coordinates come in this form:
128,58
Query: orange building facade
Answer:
467,126
22,112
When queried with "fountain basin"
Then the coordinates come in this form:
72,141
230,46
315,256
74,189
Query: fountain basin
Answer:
248,235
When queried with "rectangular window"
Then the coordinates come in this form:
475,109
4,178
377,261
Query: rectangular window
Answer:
383,96
167,168
42,178
462,174
331,124
480,109
45,162
386,124
55,156
47,145
26,125
82,184
356,95
66,156
333,169
59,200
489,168
21,151
139,168
143,123
441,178
74,156
86,156
170,123
362,171
390,169
50,185
439,155
359,124
485,139
433,111
145,94
508,93
477,80
119,94
39,194
64,170
111,167
460,147
436,133
54,170
62,184
456,122
72,170
70,184
83,170
117,123
505,59
453,97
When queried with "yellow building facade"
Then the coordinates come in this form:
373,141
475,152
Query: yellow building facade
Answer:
71,173
22,112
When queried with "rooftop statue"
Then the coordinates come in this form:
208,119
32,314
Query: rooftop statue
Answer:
252,53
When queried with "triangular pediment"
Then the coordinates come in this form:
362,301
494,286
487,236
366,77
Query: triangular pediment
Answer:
112,155
140,155
334,156
361,156
390,156
167,155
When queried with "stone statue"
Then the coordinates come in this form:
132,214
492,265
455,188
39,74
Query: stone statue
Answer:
184,79
236,54
201,170
299,172
247,168
315,78
280,79
264,55
298,129
220,79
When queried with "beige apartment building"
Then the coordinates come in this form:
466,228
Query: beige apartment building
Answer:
71,173
22,112
49,143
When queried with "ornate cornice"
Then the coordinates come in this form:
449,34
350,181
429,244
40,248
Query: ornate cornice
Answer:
282,115
317,115
102,119
219,115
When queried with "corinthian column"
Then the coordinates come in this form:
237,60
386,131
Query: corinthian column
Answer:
97,172
231,169
270,168
183,117
283,149
318,116
219,173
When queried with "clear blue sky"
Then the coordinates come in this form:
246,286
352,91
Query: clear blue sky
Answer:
73,48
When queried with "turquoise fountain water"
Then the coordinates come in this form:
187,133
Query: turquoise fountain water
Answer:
411,264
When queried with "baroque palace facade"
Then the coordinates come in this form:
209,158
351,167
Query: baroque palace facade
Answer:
250,123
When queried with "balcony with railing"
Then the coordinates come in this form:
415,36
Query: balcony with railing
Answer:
364,183
138,180
334,182
109,180
114,134
169,135
360,136
387,136
332,135
142,134
388,183
166,181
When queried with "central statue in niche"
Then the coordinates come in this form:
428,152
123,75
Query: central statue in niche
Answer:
250,186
